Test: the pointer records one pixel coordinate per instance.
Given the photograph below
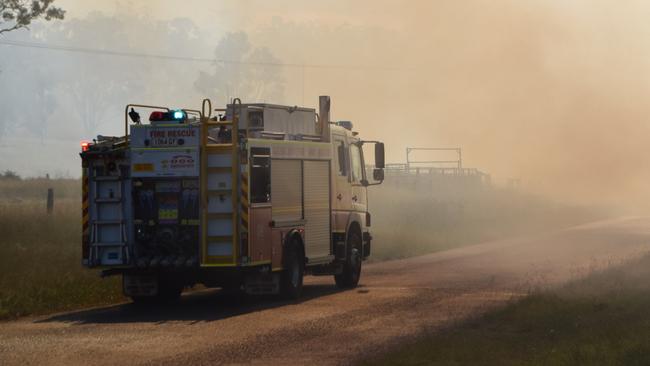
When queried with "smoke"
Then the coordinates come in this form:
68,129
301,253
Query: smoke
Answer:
553,93
548,92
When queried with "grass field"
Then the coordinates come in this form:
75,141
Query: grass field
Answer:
40,264
600,320
408,222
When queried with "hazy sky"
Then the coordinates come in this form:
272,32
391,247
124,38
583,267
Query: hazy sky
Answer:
553,92
249,14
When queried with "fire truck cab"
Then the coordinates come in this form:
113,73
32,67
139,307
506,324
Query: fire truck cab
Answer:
251,200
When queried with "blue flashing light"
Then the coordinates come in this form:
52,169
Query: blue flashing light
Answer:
179,115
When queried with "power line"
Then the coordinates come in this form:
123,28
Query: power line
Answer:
184,58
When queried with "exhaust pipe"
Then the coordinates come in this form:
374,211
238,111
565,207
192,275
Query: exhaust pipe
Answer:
324,114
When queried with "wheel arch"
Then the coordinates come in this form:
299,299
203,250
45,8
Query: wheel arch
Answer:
353,226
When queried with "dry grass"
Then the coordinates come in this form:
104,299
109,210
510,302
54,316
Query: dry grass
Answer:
35,189
409,222
40,264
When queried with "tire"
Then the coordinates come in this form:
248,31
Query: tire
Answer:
294,271
351,273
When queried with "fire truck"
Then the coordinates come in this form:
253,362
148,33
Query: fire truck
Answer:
249,200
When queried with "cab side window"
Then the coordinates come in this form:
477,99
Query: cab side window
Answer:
342,161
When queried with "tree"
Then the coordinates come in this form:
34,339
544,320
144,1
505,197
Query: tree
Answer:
10,175
17,14
241,70
75,95
93,87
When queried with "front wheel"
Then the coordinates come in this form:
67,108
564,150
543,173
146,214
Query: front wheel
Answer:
349,277
294,270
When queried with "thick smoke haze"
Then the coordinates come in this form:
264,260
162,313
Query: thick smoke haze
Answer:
553,93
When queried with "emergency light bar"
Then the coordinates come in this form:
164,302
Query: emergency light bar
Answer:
178,115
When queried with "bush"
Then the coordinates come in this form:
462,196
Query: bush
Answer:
10,175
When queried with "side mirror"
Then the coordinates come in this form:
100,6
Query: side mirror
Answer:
379,157
378,174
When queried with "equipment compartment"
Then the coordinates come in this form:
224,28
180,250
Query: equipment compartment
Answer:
166,218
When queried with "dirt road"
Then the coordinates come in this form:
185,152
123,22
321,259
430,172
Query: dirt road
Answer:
396,301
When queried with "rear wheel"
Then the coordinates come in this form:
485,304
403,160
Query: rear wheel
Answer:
294,270
349,277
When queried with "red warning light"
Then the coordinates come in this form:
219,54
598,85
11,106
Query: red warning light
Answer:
157,116
85,145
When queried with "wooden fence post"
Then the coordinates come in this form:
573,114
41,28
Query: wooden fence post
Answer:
50,200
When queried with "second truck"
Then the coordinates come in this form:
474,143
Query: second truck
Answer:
250,199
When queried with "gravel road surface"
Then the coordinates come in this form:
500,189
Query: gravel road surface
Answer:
396,301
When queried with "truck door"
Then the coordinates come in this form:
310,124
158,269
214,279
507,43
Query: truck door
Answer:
357,174
342,192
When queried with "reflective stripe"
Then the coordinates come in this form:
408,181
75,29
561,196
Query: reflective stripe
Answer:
85,219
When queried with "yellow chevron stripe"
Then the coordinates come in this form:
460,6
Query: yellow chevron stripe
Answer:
85,219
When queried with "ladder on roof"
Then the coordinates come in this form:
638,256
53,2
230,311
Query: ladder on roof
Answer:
222,187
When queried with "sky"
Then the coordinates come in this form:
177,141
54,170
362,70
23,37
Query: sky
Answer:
553,93
248,14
